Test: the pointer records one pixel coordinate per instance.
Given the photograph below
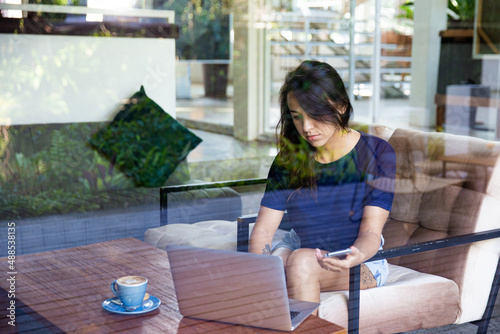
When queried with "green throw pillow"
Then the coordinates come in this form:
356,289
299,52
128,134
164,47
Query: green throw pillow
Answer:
144,142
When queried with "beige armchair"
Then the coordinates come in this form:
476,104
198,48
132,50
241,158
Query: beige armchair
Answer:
442,240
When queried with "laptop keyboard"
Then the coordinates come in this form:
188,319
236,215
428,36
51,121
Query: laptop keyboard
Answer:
293,314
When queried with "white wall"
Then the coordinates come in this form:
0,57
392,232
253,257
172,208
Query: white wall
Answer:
63,79
196,71
429,19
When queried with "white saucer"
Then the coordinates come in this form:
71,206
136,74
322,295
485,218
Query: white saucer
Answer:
147,306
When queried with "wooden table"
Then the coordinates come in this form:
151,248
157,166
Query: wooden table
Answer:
62,292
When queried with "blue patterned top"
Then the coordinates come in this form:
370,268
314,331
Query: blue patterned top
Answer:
329,218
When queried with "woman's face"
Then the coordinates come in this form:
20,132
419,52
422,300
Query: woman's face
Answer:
317,133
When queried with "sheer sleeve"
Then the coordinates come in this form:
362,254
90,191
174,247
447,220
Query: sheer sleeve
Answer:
275,196
381,182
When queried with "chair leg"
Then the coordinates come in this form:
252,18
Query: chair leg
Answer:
163,207
353,302
484,323
242,235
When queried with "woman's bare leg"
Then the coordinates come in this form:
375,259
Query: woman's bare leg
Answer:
306,279
282,252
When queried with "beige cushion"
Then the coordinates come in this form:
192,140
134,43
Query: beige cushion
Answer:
435,207
397,233
493,188
478,276
216,234
481,260
430,301
382,131
409,191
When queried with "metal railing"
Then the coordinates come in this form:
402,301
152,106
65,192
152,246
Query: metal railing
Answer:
297,36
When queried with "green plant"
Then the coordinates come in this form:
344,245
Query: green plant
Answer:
5,150
53,172
26,175
458,10
407,9
103,176
461,10
204,28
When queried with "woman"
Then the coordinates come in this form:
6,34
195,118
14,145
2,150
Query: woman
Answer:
335,183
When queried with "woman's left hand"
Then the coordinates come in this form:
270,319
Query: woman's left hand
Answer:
336,264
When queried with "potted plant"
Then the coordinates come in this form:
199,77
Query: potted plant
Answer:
460,13
204,35
213,43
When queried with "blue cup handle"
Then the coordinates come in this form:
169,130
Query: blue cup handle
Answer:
113,288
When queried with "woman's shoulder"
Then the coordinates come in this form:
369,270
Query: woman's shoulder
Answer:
374,142
371,147
375,155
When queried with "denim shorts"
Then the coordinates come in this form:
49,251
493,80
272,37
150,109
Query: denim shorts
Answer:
379,268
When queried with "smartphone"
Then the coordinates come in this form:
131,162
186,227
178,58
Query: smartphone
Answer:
340,254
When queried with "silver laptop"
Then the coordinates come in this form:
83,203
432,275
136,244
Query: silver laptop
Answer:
234,287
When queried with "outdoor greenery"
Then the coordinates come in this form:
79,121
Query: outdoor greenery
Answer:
460,12
204,28
79,167
50,169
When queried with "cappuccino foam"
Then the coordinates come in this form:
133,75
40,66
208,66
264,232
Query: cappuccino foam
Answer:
131,280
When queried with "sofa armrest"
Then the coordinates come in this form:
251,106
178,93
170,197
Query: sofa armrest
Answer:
243,234
436,244
355,272
196,195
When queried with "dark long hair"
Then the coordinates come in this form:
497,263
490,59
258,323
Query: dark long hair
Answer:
319,90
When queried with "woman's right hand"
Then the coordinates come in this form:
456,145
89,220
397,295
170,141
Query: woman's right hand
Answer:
336,264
